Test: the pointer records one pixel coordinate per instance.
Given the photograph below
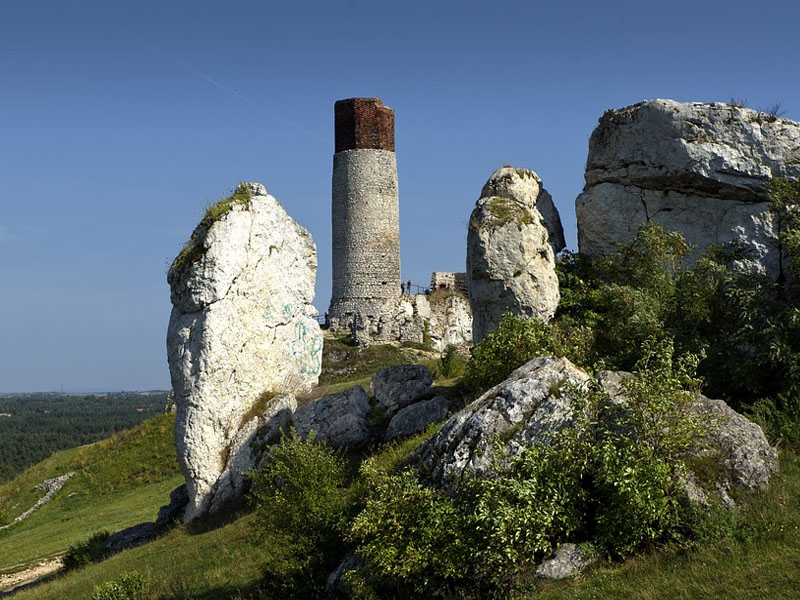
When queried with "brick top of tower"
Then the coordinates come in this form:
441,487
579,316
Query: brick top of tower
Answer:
363,123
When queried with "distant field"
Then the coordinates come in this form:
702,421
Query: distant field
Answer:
33,426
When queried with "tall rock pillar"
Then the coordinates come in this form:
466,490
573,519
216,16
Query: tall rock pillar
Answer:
366,223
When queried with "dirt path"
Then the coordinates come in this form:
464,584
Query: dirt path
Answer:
12,581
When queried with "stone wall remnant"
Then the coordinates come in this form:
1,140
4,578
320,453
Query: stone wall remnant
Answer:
444,280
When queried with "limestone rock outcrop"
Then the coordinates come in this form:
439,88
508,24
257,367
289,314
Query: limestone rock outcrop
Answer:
270,419
172,513
131,537
700,169
398,386
241,326
440,318
416,417
522,409
535,402
569,560
339,420
511,251
449,319
748,461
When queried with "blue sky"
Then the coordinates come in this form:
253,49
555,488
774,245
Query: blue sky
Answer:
120,121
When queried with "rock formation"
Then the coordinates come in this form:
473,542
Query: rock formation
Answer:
535,402
449,319
440,319
700,169
521,410
569,560
416,417
514,232
339,420
242,327
398,386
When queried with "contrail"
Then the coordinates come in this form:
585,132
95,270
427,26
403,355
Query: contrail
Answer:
218,85
236,94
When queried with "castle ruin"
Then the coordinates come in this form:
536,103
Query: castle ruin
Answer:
365,213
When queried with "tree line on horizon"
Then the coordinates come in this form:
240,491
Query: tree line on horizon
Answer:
33,426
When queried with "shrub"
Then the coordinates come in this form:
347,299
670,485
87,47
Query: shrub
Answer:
412,535
87,551
452,363
129,586
746,326
511,345
612,478
301,504
785,200
779,417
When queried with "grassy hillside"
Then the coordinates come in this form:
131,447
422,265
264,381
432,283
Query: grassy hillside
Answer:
118,482
123,481
226,560
33,426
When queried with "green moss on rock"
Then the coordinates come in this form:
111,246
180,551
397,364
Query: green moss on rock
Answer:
506,210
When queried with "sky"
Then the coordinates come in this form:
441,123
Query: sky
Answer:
120,121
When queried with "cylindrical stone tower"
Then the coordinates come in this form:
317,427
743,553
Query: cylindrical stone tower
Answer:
366,223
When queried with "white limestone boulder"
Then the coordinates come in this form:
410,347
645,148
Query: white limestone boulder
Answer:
241,326
510,251
449,319
530,404
697,168
537,401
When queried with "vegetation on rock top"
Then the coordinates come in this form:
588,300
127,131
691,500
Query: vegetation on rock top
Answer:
194,249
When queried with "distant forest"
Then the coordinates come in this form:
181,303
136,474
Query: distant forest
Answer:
33,426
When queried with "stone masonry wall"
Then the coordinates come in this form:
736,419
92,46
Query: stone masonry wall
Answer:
366,233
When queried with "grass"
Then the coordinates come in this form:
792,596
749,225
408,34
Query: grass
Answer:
123,481
73,517
227,561
218,563
342,362
506,210
222,560
118,482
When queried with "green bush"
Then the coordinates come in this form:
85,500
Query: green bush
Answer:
611,478
301,505
746,326
452,363
129,586
414,538
511,345
87,551
785,199
779,417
